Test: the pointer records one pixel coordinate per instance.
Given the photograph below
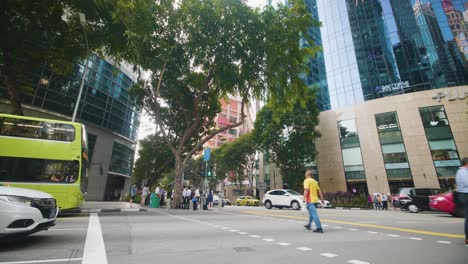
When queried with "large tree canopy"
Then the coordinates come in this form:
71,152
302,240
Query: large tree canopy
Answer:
50,32
290,137
208,49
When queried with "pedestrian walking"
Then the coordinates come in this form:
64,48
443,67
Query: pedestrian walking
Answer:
185,198
311,192
370,201
384,202
462,192
379,200
157,191
210,198
144,194
196,198
133,192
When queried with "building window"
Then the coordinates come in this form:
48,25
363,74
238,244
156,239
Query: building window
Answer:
351,152
122,159
393,150
440,138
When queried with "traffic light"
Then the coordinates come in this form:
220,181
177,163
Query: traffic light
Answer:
200,170
210,171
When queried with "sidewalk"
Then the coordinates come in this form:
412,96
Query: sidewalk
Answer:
106,207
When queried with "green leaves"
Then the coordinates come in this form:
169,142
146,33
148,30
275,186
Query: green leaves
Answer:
290,136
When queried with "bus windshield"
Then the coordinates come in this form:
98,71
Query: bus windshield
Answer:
25,128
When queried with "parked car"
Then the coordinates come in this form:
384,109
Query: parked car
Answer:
227,202
283,199
445,202
25,211
247,200
216,200
416,199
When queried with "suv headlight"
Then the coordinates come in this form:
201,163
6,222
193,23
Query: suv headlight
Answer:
16,199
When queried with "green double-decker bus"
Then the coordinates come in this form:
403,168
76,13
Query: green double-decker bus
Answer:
45,155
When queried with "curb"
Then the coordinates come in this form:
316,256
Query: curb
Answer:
350,208
117,210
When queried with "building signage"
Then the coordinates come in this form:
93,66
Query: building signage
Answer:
459,94
398,86
387,126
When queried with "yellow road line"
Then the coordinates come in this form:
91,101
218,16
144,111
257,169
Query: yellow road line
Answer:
415,231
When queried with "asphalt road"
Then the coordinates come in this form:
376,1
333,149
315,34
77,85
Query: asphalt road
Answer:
243,235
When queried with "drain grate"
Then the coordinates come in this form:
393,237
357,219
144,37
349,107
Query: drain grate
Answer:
243,249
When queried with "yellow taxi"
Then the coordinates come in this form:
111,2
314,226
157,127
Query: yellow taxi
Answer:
247,200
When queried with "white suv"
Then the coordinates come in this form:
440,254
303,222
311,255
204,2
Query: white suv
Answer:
283,198
25,211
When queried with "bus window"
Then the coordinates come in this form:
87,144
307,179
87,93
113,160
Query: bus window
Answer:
24,128
38,170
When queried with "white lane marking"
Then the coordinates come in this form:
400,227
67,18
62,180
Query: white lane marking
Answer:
94,249
353,229
268,239
224,228
214,225
41,261
371,232
304,248
254,236
325,225
355,261
328,255
234,230
392,235
444,242
338,227
415,238
284,244
243,233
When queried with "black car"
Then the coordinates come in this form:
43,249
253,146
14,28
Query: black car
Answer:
416,199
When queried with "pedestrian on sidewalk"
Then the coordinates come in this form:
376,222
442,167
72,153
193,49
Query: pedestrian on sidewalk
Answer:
144,195
210,198
384,202
133,192
157,191
185,197
462,192
370,201
311,192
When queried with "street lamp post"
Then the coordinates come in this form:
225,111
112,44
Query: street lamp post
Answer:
77,103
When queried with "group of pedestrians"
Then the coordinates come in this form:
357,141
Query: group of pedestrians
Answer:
195,197
145,193
378,201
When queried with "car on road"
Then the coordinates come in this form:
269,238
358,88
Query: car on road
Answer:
445,202
247,200
25,211
323,204
283,198
416,199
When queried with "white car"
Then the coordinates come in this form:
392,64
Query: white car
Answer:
283,198
25,211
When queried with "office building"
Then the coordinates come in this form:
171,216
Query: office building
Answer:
110,115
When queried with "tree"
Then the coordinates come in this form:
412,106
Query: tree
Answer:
154,160
50,34
209,49
290,137
237,159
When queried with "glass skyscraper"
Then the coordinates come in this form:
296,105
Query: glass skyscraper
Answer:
378,48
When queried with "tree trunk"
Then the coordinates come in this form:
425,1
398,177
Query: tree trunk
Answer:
179,170
9,79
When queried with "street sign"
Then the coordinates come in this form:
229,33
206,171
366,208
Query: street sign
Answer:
261,185
206,154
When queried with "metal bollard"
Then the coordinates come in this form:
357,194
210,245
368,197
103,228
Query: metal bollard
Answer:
168,203
220,204
190,205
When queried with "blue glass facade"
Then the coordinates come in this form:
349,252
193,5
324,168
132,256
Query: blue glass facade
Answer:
377,48
105,101
317,77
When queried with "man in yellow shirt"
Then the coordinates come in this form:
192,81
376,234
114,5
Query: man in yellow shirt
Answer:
311,189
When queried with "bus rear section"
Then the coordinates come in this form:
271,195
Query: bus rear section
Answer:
45,155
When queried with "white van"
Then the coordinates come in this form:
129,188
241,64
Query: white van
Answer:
25,211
